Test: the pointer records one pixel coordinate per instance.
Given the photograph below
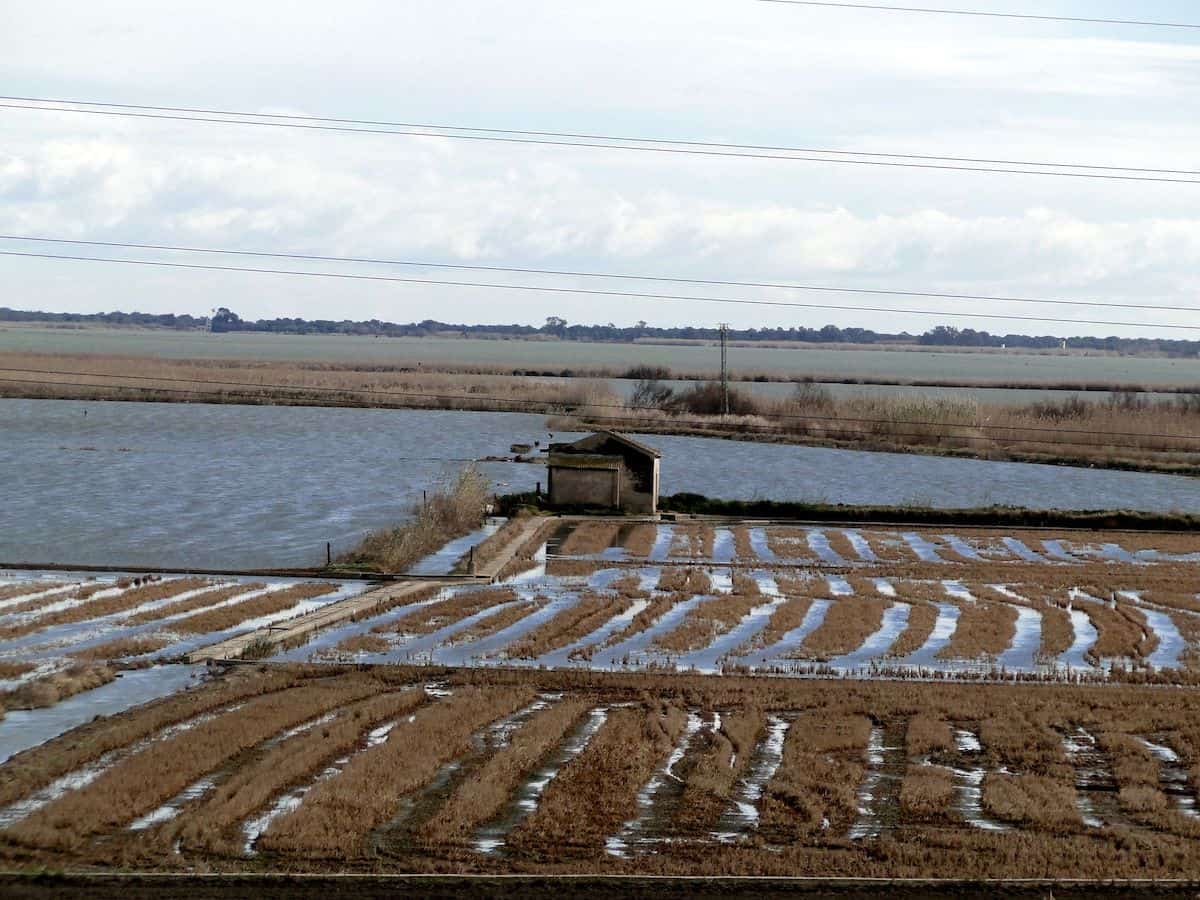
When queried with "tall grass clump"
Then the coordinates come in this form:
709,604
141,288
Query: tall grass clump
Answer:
449,512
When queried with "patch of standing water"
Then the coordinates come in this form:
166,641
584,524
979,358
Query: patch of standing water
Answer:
740,819
1170,642
721,581
1021,655
1085,637
969,782
880,759
723,546
884,588
1056,550
839,587
36,595
861,545
24,729
944,627
925,551
1021,551
491,837
636,645
775,654
761,546
895,620
442,562
956,590
664,535
641,830
478,651
962,548
819,544
1083,754
420,648
1174,778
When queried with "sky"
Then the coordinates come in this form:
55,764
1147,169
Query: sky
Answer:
736,71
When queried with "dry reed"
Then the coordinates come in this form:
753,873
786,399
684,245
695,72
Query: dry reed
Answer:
715,769
338,814
707,622
849,622
47,691
200,601
437,615
985,630
136,645
926,794
921,619
788,616
590,538
569,626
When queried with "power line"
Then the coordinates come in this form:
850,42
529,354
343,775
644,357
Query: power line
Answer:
594,145
174,248
990,15
421,395
590,137
543,289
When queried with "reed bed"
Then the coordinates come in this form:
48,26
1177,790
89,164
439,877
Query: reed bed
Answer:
451,511
10,669
80,593
639,540
589,613
484,794
707,622
1122,632
43,692
655,610
595,793
927,794
105,606
985,630
849,622
140,783
523,559
921,619
200,601
928,734
31,771
496,623
684,580
338,814
840,544
267,605
742,548
460,605
889,547
212,825
21,588
713,770
1032,801
817,780
590,538
790,543
137,645
788,616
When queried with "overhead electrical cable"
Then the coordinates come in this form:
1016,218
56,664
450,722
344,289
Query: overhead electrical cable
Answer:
1104,173
879,7
566,273
637,295
524,401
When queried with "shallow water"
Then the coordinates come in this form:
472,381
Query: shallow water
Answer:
194,485
23,729
895,620
760,545
708,659
1085,636
741,818
1176,781
943,632
442,561
1021,655
1170,642
775,654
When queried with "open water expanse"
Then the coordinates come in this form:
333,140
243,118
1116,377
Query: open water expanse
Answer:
208,486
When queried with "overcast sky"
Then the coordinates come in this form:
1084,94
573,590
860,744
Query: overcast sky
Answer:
713,70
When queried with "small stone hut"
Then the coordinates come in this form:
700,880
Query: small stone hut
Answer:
605,470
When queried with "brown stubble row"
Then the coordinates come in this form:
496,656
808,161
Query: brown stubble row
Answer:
497,622
22,588
338,814
684,580
79,593
589,538
849,622
706,622
1122,632
788,616
94,609
121,648
639,540
437,615
712,769
50,689
486,791
595,793
589,613
922,617
200,601
235,614
137,785
212,825
985,630
694,541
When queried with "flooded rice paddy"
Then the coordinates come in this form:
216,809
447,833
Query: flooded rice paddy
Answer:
234,487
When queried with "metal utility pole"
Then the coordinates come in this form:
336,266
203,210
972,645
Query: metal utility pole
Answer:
724,369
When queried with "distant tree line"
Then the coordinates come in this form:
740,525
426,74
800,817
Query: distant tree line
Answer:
225,320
